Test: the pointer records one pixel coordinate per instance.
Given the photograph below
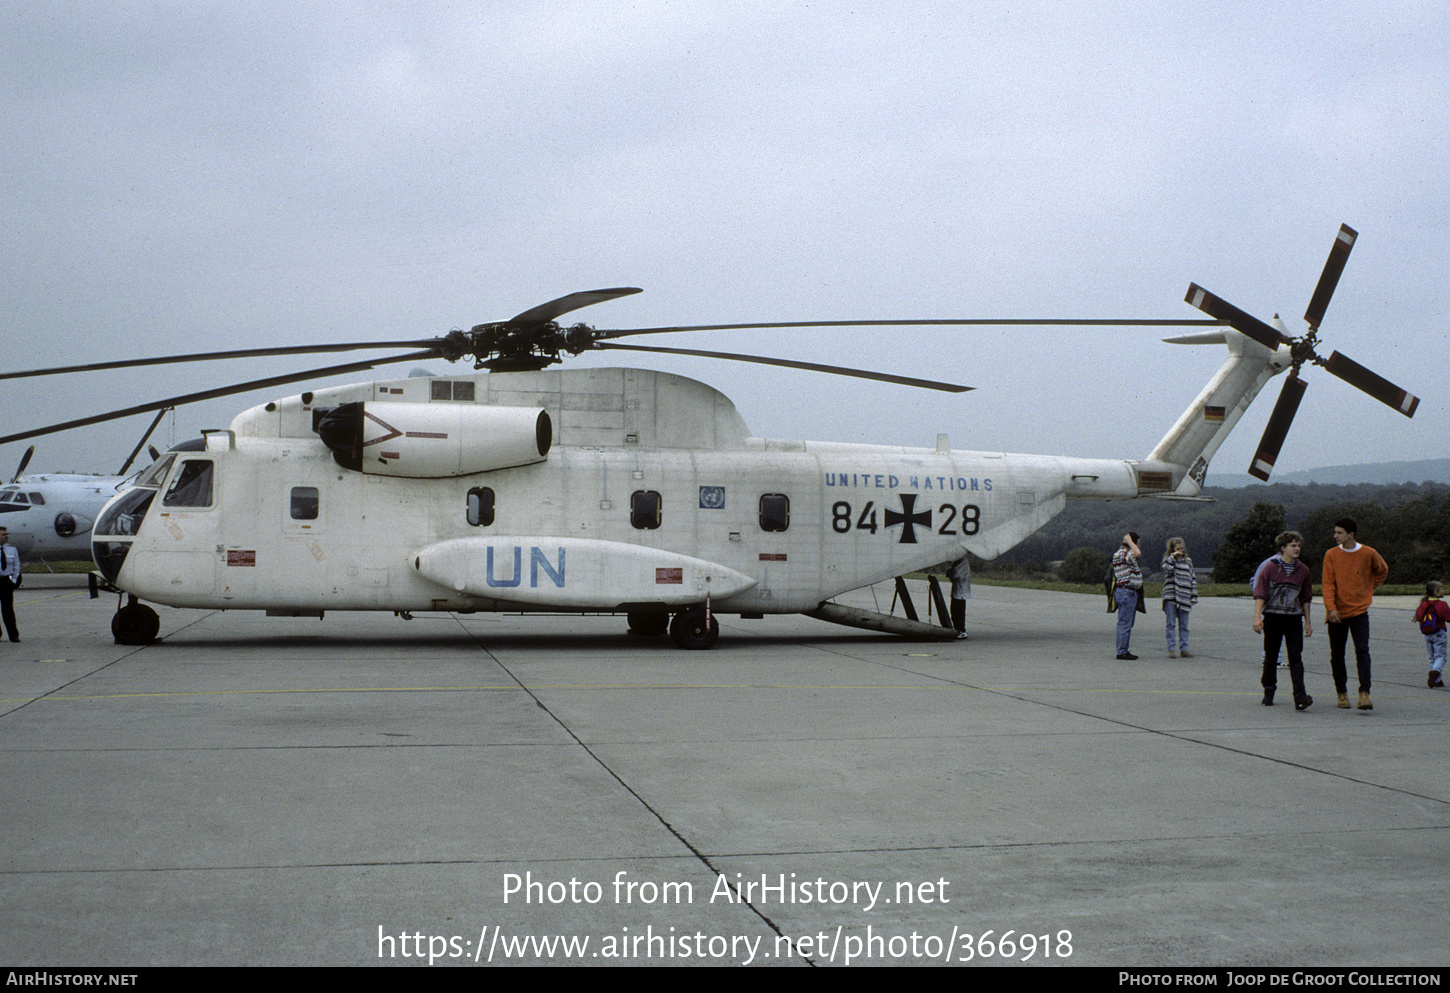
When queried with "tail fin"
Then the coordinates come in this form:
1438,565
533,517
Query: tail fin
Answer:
1181,458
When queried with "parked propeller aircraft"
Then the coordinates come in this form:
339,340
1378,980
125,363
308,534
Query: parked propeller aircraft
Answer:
50,515
525,488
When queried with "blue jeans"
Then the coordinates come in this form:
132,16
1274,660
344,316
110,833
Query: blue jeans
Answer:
1175,615
1435,649
1127,601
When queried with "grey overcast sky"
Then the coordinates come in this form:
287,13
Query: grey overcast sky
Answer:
192,176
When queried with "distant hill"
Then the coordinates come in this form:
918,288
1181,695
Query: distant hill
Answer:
1376,473
1100,524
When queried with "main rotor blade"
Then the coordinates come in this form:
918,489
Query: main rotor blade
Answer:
790,364
1223,310
1329,279
979,322
149,431
256,384
1278,427
546,312
235,354
1372,383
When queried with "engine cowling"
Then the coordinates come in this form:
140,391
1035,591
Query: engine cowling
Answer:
433,441
68,524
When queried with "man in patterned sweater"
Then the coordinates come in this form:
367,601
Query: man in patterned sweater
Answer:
1127,588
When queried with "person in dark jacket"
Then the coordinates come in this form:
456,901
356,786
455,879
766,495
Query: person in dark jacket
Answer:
1282,594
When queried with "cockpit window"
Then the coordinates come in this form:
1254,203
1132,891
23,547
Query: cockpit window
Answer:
123,516
14,496
37,498
191,486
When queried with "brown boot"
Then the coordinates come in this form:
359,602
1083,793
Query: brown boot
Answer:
1364,703
1343,701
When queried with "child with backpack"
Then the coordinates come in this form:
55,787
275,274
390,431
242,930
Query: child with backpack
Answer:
1432,615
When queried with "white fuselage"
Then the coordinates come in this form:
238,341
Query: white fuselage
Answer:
653,493
49,515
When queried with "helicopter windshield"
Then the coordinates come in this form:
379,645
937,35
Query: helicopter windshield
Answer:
123,515
156,472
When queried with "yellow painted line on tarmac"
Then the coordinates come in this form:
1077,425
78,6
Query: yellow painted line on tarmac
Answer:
337,689
935,687
23,592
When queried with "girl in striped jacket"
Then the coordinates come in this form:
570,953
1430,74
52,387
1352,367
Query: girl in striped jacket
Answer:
1180,593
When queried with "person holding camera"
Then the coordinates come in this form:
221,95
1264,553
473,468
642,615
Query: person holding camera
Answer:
1127,590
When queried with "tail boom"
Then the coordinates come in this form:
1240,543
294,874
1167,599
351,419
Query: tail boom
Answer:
1188,446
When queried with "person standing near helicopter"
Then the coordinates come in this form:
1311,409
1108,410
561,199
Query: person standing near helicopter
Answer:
1283,591
9,583
1180,593
1127,591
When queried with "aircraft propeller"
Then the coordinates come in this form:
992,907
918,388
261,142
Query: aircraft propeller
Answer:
531,340
24,461
1301,350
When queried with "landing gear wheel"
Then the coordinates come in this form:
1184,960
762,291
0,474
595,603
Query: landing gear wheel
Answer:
649,622
689,629
135,624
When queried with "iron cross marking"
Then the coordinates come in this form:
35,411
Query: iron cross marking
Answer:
907,519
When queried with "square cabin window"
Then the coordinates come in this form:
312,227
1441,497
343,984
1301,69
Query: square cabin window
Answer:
305,501
774,512
480,506
644,509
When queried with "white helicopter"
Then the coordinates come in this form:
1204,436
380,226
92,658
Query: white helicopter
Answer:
618,490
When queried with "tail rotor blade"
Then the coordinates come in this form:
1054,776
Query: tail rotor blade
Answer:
1238,320
1278,427
1372,383
1329,279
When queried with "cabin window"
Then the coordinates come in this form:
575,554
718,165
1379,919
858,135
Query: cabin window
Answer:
191,486
305,502
644,509
774,512
452,389
480,506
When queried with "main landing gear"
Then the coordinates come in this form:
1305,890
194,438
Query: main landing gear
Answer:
135,624
689,629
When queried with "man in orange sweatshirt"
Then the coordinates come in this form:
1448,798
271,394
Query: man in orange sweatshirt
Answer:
1351,573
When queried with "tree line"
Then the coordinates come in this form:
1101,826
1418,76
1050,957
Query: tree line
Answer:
1409,524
